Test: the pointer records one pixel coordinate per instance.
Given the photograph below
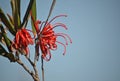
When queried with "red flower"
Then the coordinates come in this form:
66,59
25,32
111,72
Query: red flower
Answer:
47,38
22,40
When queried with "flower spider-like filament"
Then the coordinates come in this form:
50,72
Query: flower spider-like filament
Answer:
47,37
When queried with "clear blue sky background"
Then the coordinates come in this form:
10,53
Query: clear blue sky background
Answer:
94,26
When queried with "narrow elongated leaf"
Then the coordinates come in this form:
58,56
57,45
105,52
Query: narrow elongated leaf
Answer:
34,15
10,19
15,4
19,5
51,9
26,16
17,13
6,22
6,39
4,53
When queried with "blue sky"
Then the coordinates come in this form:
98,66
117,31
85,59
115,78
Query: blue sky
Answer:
94,55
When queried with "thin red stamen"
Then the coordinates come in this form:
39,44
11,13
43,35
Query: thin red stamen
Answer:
56,25
55,18
63,37
61,25
63,46
66,36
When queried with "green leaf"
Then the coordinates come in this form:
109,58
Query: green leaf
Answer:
10,19
6,39
26,16
15,4
6,22
34,15
51,9
17,13
19,3
13,9
4,53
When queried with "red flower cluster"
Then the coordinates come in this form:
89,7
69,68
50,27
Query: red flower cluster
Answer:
47,38
22,40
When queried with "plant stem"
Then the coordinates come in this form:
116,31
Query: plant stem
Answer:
42,68
35,75
34,67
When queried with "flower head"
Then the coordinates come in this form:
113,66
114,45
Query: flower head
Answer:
47,37
22,40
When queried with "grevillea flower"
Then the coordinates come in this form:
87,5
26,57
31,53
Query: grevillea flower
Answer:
47,37
22,40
